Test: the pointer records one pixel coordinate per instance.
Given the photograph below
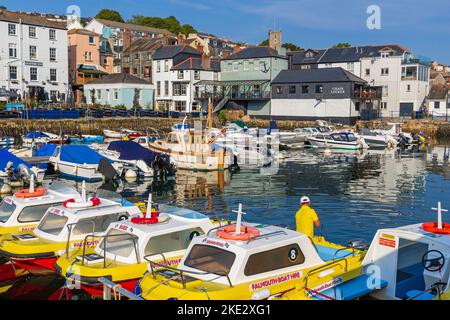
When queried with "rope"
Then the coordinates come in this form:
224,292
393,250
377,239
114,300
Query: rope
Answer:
116,294
320,294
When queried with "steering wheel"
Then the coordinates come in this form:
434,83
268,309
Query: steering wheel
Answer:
433,260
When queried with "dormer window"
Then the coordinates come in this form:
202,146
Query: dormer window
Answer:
385,54
309,54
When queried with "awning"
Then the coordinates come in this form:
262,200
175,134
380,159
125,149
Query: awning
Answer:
90,70
230,83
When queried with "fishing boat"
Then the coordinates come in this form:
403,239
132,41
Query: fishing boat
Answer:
12,166
250,261
113,134
64,228
191,149
161,233
82,163
337,140
24,209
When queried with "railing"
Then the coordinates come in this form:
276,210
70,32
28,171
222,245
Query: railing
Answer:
70,228
324,267
118,290
182,273
234,96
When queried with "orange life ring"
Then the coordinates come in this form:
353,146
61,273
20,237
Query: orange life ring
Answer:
433,227
153,219
228,233
25,193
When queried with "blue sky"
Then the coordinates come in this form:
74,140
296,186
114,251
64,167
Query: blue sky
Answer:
422,26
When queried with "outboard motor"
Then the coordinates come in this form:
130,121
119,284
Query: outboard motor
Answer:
107,170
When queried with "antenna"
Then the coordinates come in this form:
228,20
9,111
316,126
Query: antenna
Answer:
239,219
439,210
32,183
148,213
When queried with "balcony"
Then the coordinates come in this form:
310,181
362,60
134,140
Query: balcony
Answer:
233,90
368,93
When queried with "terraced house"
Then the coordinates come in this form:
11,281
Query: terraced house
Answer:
404,79
33,56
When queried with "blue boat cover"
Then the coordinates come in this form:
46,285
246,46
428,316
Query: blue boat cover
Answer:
130,150
35,135
46,150
6,156
79,154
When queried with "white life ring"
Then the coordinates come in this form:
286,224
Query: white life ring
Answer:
71,203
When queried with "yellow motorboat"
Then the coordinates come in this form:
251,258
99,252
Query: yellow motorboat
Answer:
63,228
121,254
252,261
22,211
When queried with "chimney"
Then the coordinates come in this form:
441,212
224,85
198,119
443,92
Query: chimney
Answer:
126,38
181,38
236,48
200,48
206,61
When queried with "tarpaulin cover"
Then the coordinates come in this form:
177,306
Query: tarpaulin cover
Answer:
36,134
6,156
130,150
46,150
79,154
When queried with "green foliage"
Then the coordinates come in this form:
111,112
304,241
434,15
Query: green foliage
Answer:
170,23
264,43
2,105
287,45
222,116
120,107
109,14
342,45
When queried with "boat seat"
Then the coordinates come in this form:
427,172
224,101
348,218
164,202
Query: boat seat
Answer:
328,253
420,295
349,290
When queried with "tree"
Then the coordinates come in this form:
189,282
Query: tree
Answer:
111,15
287,45
170,23
342,45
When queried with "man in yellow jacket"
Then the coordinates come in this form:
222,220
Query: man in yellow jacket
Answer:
306,218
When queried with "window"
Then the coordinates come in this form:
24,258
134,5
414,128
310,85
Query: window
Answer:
12,29
34,213
116,94
33,53
32,32
52,54
262,66
367,72
250,65
53,76
158,88
357,105
91,40
12,73
166,88
279,90
197,75
13,50
99,94
33,74
180,74
119,243
229,66
235,66
437,105
384,71
292,89
384,105
385,91
408,88
319,88
274,259
384,54
96,224
409,73
54,95
174,241
180,106
245,65
210,259
158,66
135,71
305,89
351,66
176,89
88,56
166,65
52,223
52,34
7,208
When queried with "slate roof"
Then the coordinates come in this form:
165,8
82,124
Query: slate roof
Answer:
131,27
168,52
84,32
316,75
438,93
115,78
255,52
196,64
29,19
144,45
351,54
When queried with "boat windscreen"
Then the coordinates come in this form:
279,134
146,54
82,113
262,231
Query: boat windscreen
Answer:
210,259
7,207
52,223
119,243
181,212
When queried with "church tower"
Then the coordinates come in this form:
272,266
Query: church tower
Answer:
275,41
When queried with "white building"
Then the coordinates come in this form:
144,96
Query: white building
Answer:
33,56
404,79
175,70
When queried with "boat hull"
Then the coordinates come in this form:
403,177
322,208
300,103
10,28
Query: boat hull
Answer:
319,143
82,172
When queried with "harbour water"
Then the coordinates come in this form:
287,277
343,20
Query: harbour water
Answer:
354,194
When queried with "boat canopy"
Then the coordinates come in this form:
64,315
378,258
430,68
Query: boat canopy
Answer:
130,150
36,134
46,150
6,156
80,154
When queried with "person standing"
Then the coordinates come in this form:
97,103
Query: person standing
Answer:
306,218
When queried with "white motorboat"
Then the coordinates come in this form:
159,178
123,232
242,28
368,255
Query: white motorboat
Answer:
337,140
81,162
114,134
395,130
40,138
11,165
377,140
